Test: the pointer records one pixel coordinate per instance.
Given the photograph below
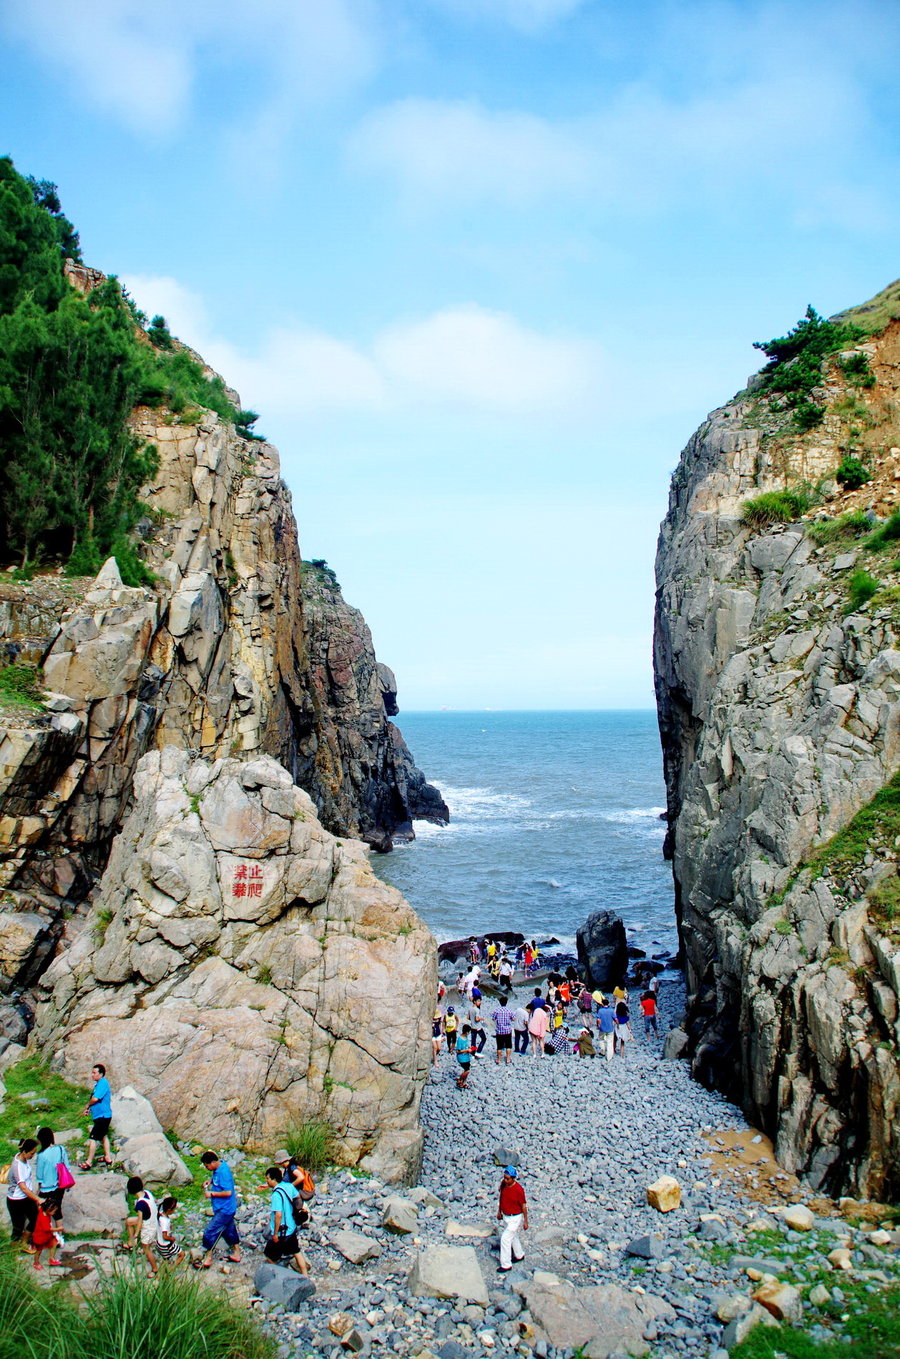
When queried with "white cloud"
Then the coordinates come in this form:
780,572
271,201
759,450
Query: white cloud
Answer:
447,151
119,53
643,151
465,357
486,358
143,61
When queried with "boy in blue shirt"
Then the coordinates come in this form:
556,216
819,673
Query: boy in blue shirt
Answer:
221,1193
99,1106
285,1208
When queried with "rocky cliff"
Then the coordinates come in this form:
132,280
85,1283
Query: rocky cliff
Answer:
246,970
778,688
238,651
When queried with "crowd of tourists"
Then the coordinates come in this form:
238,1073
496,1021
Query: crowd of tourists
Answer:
564,1017
40,1174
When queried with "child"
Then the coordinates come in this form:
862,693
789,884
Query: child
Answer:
464,1050
648,1010
144,1221
44,1236
167,1248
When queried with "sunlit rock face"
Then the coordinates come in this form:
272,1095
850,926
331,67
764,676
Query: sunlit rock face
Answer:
779,709
246,970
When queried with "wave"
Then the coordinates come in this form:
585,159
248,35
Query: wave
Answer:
630,815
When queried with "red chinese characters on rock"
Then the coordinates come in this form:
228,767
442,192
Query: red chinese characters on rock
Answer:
247,881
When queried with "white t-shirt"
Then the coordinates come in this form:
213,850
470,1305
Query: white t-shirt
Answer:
163,1225
21,1173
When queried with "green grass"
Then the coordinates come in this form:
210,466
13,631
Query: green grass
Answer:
845,528
775,507
871,1332
852,472
879,819
861,587
19,1119
874,315
886,535
884,904
310,1143
785,927
20,686
129,1317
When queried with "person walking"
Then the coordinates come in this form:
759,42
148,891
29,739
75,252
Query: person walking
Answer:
221,1193
648,1010
503,1026
293,1173
623,1027
464,1050
437,1035
145,1223
451,1025
606,1028
520,1028
99,1106
537,1027
283,1243
167,1247
52,1181
513,1213
476,1025
22,1198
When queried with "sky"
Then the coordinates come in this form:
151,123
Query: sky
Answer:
482,266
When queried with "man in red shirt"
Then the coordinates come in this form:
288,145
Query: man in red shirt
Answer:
513,1213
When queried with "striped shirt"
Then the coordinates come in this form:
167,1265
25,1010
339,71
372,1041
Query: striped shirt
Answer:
503,1019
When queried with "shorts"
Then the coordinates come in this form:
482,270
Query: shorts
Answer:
504,1042
284,1246
148,1233
166,1250
465,1062
100,1129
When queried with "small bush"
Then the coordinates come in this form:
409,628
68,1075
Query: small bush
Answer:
775,507
856,369
862,587
310,1143
884,902
852,473
20,685
807,415
887,534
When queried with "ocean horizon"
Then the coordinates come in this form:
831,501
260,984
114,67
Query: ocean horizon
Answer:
555,813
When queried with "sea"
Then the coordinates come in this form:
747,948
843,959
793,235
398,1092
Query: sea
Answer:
554,815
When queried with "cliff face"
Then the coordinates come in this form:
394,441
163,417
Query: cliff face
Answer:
779,711
246,970
239,651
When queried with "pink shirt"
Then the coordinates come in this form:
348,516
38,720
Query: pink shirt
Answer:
537,1024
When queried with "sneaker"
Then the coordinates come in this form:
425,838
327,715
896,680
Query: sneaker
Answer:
504,1269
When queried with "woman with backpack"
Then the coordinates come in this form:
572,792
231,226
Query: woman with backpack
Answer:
300,1180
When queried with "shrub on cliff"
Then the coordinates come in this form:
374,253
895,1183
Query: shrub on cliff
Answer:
861,587
775,507
852,473
794,369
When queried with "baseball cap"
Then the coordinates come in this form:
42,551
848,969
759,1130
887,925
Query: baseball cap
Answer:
511,1171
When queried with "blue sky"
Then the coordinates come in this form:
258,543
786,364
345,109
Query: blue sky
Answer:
481,265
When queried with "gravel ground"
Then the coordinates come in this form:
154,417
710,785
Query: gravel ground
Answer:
589,1137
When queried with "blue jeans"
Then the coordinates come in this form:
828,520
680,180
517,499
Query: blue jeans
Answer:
520,1040
221,1224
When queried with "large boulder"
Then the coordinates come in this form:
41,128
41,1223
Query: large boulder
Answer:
132,1114
95,1204
603,949
283,1286
355,1246
152,1156
601,1319
253,971
448,1272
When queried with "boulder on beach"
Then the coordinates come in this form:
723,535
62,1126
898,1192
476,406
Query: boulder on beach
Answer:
603,949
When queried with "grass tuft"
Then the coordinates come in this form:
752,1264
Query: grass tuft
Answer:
775,507
20,686
310,1143
845,528
861,588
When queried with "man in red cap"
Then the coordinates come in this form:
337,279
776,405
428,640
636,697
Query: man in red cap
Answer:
513,1213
